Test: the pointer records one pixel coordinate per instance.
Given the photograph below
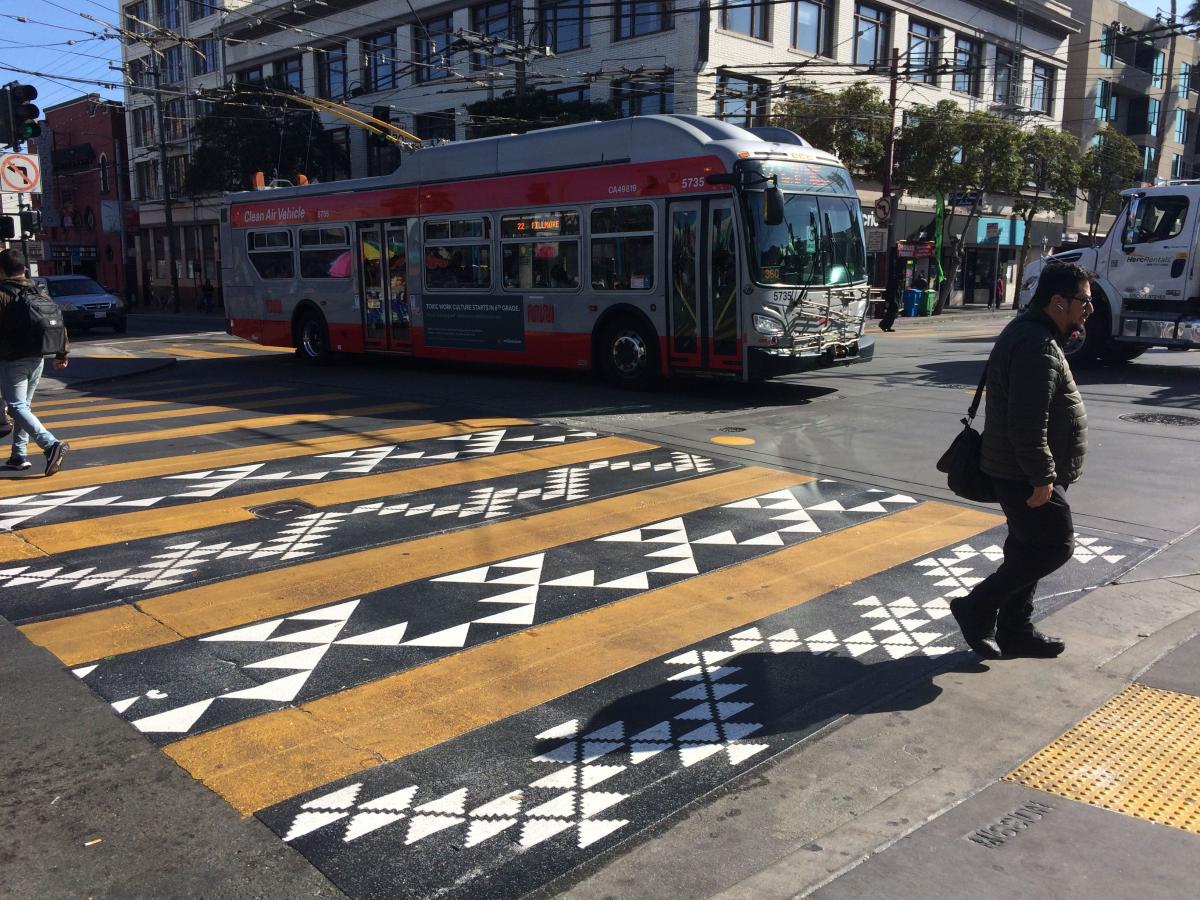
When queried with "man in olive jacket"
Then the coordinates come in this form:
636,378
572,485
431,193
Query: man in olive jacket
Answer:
1034,441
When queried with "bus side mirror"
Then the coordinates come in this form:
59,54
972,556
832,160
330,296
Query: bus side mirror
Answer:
773,207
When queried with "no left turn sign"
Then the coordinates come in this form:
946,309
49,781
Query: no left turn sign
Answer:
20,174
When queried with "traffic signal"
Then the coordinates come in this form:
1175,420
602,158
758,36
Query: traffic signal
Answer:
31,221
20,113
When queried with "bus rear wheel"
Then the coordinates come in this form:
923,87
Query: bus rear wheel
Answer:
312,339
629,354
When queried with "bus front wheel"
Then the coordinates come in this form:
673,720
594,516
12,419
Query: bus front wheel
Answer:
312,339
629,354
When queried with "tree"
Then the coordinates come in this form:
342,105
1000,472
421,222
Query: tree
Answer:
944,150
519,113
252,131
1110,166
1052,171
852,124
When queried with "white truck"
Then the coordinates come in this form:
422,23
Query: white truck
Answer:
1145,275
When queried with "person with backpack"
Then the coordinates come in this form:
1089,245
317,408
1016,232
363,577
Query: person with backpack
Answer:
31,328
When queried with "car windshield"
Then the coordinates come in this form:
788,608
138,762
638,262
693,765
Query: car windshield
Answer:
73,287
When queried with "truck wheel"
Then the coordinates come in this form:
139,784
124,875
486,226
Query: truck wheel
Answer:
629,354
312,339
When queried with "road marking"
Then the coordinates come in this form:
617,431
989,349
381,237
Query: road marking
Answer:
262,761
158,391
132,526
120,439
730,440
219,459
93,407
156,415
214,607
190,353
256,348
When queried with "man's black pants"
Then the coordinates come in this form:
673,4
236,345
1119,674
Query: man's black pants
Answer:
1039,541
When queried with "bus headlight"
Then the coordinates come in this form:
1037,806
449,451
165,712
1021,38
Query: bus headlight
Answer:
768,325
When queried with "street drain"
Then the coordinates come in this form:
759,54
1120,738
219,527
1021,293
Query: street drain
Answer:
732,429
1161,419
282,511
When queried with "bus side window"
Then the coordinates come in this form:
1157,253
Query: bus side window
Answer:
271,254
622,257
462,256
540,251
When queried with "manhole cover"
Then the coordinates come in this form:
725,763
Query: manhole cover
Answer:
1161,419
732,429
285,509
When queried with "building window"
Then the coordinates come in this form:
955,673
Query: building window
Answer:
1106,47
252,75
143,126
565,24
105,178
1185,79
337,167
1106,102
746,17
968,58
496,21
168,14
383,157
1159,67
172,65
1181,126
1041,89
436,126
572,95
1177,166
644,97
146,180
379,62
290,73
872,44
430,46
177,167
637,17
136,17
1149,164
923,43
206,55
1007,65
742,101
198,9
331,72
175,119
810,26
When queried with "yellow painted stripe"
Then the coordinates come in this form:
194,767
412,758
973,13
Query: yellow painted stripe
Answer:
257,348
144,523
159,620
82,406
261,761
14,547
192,353
218,459
121,439
157,391
178,413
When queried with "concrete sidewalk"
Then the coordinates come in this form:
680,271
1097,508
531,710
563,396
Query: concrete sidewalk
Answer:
914,803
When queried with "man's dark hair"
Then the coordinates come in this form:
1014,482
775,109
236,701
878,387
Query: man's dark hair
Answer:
1058,278
12,262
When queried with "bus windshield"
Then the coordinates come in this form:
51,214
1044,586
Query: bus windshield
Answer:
820,240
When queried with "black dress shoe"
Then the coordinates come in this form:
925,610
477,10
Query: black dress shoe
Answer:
978,627
1031,644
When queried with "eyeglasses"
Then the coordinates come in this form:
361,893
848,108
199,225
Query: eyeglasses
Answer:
1085,299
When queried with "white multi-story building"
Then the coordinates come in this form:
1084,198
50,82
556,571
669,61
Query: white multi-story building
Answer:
412,62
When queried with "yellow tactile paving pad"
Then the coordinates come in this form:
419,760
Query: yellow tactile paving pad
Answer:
1138,754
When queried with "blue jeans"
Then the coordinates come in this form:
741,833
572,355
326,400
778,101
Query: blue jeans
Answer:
18,381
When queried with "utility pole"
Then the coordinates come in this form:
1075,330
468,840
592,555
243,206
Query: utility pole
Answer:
1166,117
165,182
889,165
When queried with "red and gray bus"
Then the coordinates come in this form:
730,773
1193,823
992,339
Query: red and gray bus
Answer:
643,247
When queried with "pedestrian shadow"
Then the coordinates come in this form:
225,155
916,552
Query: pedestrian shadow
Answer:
793,693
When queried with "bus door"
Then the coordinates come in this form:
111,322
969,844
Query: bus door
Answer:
702,301
384,278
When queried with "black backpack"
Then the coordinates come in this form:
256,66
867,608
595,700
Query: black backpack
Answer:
32,324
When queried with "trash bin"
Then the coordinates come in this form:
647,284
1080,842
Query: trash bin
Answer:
928,301
912,301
